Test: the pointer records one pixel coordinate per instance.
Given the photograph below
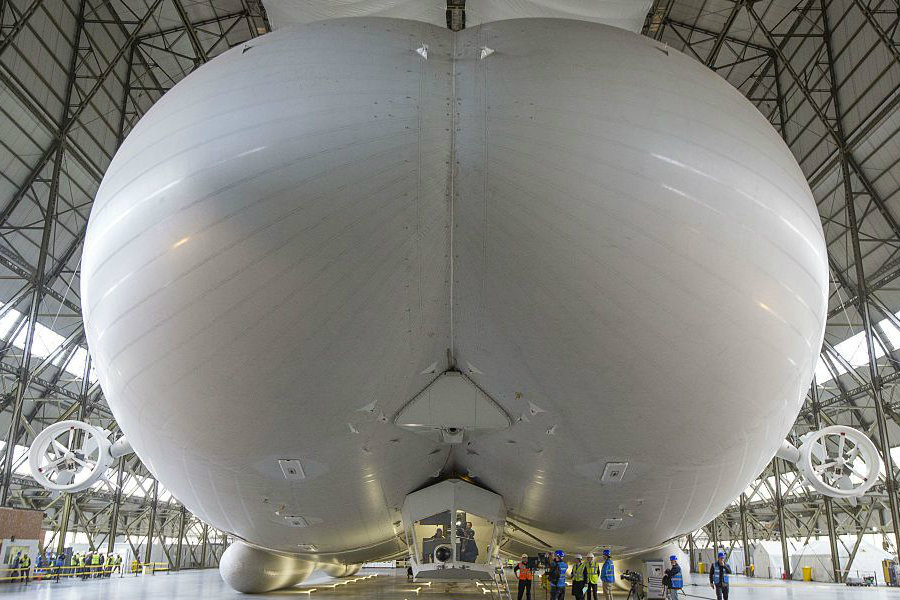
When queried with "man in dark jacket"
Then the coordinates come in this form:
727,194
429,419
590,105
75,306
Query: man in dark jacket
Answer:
673,579
557,576
58,565
468,548
718,577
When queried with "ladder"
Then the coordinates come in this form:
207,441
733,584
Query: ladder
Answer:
502,584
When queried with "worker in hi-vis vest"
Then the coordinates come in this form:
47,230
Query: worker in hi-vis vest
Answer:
674,580
579,577
592,568
525,575
25,567
608,575
718,577
86,565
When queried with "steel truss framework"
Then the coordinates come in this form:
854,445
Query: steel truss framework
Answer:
825,73
76,75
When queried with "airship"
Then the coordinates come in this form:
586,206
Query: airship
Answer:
367,288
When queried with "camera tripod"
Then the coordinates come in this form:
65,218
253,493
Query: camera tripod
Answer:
637,591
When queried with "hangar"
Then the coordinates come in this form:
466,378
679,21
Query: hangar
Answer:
293,288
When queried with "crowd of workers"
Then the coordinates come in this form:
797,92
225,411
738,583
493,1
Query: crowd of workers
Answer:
587,575
88,565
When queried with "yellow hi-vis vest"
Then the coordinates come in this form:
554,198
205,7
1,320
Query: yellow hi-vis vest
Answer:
578,572
593,572
95,559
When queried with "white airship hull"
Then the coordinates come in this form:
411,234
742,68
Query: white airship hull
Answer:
605,238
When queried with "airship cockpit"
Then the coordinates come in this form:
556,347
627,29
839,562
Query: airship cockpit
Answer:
453,530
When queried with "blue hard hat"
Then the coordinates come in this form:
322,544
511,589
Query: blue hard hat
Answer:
560,553
673,557
606,552
721,555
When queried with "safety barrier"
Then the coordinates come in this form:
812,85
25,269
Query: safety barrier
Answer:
35,573
149,568
8,575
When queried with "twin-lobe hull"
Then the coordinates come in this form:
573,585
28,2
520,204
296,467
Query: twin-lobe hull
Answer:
605,238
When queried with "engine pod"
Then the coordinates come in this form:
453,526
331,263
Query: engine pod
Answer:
253,570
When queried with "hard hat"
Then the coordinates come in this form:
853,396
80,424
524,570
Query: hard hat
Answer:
560,553
524,556
606,552
673,557
578,556
590,555
721,555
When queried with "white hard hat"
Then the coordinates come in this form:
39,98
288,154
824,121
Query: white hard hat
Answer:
578,556
590,555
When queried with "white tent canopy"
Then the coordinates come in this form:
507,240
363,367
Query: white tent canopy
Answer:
816,554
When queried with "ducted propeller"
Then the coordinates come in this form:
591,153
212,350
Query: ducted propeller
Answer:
71,456
836,461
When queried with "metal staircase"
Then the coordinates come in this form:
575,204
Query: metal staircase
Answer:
501,583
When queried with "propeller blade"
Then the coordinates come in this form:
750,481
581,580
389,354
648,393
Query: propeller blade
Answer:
90,446
65,477
844,483
61,449
818,450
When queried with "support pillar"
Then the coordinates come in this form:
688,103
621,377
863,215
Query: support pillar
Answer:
117,502
69,499
829,506
181,522
203,544
64,523
692,559
151,527
832,540
224,546
715,537
779,507
744,540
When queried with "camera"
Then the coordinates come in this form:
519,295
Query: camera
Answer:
443,553
631,576
637,584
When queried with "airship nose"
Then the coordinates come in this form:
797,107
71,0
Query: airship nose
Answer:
599,228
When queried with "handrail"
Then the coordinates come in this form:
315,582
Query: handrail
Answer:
51,572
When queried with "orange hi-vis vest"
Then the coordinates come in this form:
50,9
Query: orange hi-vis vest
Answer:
525,574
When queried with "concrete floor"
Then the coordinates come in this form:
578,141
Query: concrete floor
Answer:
199,585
